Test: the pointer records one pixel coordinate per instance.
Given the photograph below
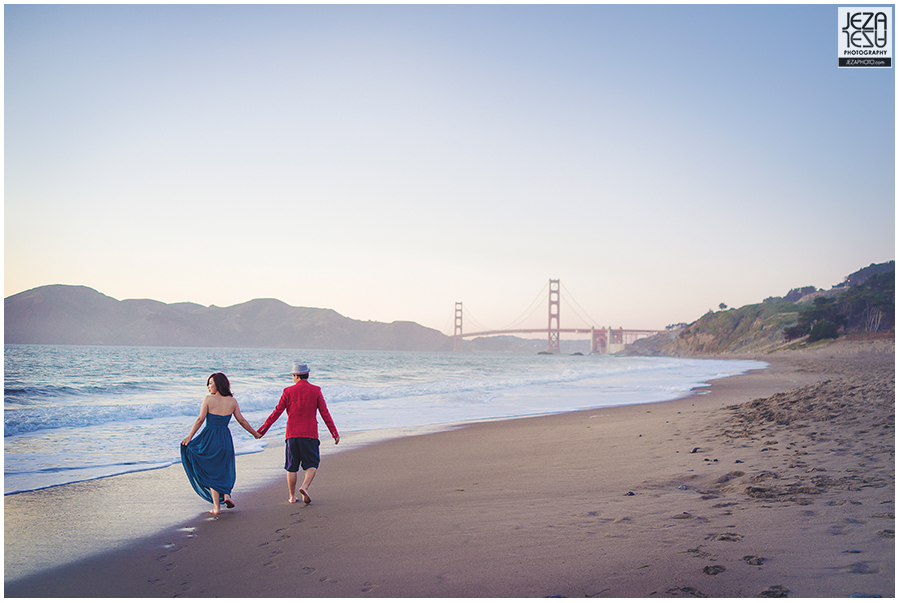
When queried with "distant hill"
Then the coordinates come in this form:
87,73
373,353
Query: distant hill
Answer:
861,276
863,296
76,315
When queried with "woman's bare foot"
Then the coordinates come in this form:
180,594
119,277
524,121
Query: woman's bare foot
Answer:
216,512
292,499
228,502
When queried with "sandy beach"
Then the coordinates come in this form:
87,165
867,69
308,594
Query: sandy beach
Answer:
779,482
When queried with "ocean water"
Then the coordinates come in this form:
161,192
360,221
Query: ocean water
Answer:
75,413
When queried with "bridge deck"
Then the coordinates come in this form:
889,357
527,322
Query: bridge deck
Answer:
579,330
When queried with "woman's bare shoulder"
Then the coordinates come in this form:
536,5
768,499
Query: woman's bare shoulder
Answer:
229,402
220,405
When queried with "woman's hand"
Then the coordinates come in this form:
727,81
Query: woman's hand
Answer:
186,441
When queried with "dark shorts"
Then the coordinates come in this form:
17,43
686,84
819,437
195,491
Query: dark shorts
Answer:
300,452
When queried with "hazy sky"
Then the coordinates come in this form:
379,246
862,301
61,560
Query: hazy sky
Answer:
388,161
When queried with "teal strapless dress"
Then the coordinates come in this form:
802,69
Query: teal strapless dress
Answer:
208,459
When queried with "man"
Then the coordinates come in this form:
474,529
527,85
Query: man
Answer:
301,441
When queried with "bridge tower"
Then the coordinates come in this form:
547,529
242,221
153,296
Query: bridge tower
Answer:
553,318
457,328
598,341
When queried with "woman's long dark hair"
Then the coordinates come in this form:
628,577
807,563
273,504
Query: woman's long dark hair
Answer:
221,381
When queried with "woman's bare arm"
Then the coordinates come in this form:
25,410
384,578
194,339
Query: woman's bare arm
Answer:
204,408
244,422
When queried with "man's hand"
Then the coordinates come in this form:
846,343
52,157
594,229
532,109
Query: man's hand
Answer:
337,439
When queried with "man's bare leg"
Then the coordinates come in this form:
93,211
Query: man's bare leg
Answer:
308,476
292,486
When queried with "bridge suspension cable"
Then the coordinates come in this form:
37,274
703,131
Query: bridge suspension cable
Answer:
470,320
448,326
531,309
590,321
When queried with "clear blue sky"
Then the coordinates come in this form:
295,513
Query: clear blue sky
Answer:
388,161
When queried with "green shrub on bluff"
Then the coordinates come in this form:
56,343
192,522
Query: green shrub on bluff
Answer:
868,306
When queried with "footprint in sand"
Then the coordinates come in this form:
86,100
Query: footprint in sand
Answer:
730,476
713,570
685,590
273,559
753,559
368,587
845,527
728,537
861,568
308,570
698,553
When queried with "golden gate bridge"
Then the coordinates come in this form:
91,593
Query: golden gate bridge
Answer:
603,340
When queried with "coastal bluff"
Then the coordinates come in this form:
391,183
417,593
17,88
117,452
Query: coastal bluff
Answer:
78,315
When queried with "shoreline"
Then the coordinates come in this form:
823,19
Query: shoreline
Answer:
30,552
62,539
468,512
37,433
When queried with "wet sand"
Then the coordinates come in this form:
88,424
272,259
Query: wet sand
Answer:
778,482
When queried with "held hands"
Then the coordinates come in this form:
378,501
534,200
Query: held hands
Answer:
337,439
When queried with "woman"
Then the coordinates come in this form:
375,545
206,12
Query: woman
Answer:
209,460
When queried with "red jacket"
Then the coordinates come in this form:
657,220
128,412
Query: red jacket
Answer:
301,401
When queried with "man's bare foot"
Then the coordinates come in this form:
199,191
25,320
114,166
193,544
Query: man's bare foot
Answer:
305,496
292,499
